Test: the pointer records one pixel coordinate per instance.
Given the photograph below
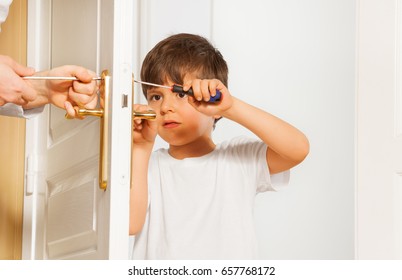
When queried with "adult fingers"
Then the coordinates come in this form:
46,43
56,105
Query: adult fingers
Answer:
20,91
21,70
83,74
81,99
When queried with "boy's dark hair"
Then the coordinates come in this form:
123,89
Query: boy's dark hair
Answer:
177,55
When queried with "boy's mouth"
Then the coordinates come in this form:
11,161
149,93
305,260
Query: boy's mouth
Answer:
170,124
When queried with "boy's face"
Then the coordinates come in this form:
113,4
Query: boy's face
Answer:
179,123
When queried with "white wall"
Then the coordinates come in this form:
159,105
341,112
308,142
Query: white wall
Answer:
294,59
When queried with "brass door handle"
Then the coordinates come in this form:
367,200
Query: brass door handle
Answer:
145,115
103,113
89,112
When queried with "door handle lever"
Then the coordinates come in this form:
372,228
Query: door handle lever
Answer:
145,115
103,113
89,112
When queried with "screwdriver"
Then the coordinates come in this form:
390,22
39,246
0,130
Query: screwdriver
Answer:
179,89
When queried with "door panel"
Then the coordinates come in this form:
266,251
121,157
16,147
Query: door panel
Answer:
72,203
72,191
78,214
74,32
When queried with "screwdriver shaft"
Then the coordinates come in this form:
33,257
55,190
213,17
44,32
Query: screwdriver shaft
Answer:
152,84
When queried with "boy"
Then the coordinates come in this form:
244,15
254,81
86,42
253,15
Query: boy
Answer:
196,199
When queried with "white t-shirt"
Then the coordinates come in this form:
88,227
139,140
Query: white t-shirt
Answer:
202,208
4,5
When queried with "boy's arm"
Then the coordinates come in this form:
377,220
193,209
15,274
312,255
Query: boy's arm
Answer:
144,133
287,146
139,188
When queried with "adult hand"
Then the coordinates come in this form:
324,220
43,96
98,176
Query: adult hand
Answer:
66,94
13,89
70,94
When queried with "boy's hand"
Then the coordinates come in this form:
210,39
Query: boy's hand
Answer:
203,89
144,131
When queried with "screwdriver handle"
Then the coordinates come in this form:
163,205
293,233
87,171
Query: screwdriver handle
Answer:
213,99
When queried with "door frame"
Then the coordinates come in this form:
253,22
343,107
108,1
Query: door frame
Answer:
38,42
378,223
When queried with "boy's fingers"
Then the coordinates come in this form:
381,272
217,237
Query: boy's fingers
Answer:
187,85
213,86
138,124
196,85
205,90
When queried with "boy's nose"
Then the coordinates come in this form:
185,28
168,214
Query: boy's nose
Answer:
168,104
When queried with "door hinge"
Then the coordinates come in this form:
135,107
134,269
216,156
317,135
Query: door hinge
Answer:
31,174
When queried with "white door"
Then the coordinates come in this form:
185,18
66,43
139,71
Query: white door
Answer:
379,135
67,215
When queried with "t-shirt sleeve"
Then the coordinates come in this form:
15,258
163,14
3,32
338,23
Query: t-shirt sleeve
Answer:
253,154
266,181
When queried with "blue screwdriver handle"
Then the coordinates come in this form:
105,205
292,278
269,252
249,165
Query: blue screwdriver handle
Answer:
213,99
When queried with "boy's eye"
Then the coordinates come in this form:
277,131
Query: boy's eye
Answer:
155,97
181,95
